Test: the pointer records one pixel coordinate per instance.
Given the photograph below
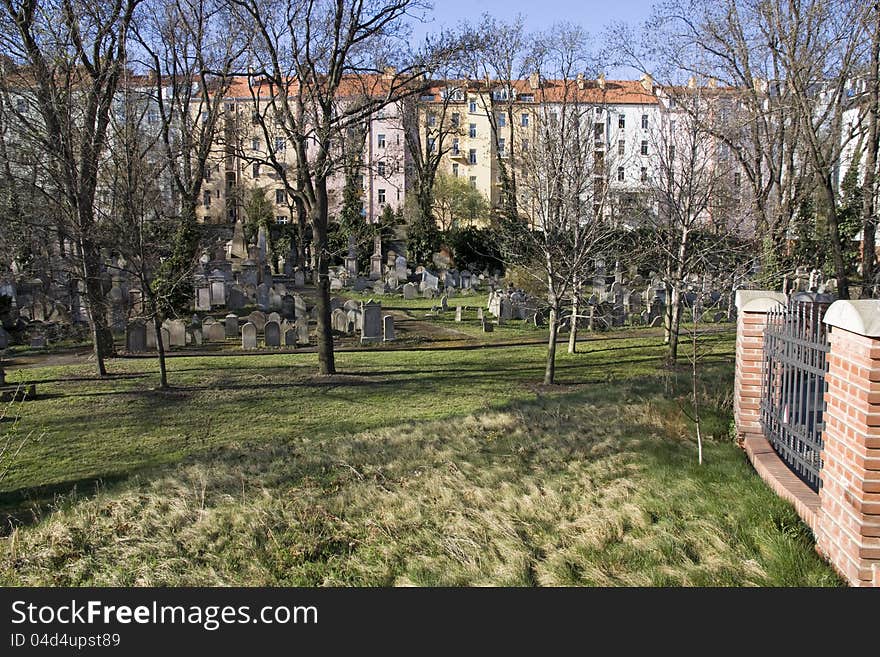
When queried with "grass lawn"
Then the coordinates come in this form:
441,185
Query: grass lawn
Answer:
428,467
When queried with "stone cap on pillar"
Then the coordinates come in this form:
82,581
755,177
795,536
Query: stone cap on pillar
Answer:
861,317
757,301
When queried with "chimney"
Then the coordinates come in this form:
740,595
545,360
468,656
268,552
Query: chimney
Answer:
580,80
534,80
647,83
712,83
601,81
692,82
389,72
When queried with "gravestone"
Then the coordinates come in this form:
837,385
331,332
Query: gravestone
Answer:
299,278
288,307
302,331
299,306
400,268
444,303
388,328
237,298
371,321
203,299
274,317
275,299
258,319
230,325
488,327
351,258
379,287
249,336
458,310
429,281
339,320
480,315
176,332
272,334
135,337
290,336
409,291
218,293
376,259
263,296
215,332
4,338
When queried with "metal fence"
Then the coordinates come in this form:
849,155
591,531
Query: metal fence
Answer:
793,383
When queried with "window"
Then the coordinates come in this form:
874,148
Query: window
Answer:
255,144
737,180
644,150
281,219
554,118
455,146
432,118
432,143
21,105
501,146
525,145
644,121
455,169
644,174
672,126
280,197
527,98
456,118
621,176
524,120
153,116
279,144
473,182
598,131
473,130
230,107
472,156
255,118
206,199
472,106
671,153
621,147
256,170
621,121
380,168
502,119
380,139
725,151
208,171
381,196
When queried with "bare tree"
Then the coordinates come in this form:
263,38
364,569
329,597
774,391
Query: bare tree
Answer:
67,57
562,182
872,146
319,68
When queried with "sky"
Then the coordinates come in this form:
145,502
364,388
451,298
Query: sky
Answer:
540,14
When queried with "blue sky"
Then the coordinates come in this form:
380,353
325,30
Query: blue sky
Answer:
540,14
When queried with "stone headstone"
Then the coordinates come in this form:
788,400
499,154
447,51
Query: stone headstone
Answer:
38,342
371,321
409,291
272,332
275,300
258,319
288,307
215,332
263,296
339,320
290,336
274,317
444,303
237,298
4,338
458,310
429,281
230,325
176,332
239,248
299,278
299,305
302,330
135,337
388,328
203,299
249,336
218,293
480,315
487,326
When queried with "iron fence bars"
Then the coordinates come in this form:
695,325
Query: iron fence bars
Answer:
793,383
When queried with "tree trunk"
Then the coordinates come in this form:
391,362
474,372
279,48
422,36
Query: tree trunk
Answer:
95,301
321,255
834,234
550,369
160,350
301,231
674,326
575,311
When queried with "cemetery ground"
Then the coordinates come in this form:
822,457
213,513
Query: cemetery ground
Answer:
426,466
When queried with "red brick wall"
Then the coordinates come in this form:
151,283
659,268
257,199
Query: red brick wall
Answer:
848,532
747,376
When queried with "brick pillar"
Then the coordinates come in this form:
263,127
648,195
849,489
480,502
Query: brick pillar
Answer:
848,531
752,307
